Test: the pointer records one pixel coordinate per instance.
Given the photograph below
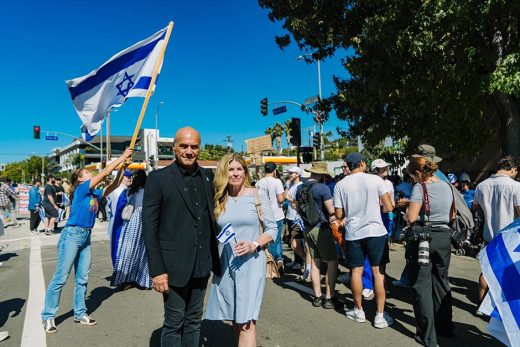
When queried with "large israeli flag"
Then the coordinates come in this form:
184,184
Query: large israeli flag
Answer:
127,74
500,261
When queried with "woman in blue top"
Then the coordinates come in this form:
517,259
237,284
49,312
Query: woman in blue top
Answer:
74,243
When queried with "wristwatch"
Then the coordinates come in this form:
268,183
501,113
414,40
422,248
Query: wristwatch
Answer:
258,248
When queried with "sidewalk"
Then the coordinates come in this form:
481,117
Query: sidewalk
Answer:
19,237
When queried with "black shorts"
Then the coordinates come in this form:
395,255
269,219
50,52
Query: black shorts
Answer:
375,248
50,212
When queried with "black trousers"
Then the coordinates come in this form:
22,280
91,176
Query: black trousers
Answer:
431,292
183,313
35,220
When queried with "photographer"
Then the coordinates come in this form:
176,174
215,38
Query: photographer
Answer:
428,251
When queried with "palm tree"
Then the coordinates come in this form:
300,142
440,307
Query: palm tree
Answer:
288,136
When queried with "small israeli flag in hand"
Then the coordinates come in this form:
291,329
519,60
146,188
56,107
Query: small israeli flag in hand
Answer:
226,234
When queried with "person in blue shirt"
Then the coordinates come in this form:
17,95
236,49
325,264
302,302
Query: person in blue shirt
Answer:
467,192
35,200
74,243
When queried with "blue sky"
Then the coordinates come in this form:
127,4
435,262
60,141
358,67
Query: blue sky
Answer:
220,61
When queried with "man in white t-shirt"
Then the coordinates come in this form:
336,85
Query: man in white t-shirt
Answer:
272,185
380,167
358,197
499,198
293,218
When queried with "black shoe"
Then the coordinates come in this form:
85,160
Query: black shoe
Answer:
328,304
317,301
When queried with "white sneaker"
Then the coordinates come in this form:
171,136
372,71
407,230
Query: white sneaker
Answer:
49,326
383,320
344,278
356,315
4,335
368,294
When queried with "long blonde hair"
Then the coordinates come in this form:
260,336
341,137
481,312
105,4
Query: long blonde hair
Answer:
222,178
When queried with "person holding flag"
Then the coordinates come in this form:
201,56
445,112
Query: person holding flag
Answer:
243,213
74,243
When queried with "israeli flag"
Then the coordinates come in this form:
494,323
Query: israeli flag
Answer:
127,74
226,234
500,262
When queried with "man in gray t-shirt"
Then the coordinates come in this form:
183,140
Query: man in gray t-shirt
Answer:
499,198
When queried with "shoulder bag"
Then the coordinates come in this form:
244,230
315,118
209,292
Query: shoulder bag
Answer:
271,270
128,210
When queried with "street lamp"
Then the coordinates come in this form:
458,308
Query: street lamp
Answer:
157,132
322,152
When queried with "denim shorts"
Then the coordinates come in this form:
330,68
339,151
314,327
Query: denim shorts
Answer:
375,248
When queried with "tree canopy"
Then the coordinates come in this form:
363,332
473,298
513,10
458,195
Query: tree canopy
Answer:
444,72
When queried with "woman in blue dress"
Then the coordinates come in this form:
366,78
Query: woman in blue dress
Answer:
237,295
74,244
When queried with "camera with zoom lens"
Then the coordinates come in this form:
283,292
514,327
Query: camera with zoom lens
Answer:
420,233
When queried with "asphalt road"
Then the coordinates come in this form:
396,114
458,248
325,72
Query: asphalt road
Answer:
134,317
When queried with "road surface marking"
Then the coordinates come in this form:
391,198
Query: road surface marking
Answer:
33,333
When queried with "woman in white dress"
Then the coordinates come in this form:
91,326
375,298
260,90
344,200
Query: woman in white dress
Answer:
237,295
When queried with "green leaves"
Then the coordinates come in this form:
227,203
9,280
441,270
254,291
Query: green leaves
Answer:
421,70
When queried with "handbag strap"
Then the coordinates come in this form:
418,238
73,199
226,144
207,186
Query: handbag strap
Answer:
426,201
258,207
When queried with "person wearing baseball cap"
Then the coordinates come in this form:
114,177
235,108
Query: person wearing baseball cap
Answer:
358,198
292,218
428,152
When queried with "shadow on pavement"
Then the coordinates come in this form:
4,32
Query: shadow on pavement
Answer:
93,301
212,334
465,287
8,306
7,256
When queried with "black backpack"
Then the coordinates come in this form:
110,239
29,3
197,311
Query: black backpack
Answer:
306,206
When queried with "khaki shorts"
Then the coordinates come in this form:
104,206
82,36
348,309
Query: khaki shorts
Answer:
321,243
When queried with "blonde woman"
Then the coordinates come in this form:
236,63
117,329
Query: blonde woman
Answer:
237,295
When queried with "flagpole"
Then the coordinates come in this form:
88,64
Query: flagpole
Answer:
108,138
152,85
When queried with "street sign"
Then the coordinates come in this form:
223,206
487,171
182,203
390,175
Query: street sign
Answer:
51,138
279,110
311,100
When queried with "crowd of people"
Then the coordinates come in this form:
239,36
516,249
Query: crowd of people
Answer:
174,228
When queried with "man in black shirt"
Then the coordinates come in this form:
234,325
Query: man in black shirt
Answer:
180,238
50,205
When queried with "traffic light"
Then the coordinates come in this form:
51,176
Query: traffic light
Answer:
36,132
151,161
316,140
103,163
306,153
263,107
295,132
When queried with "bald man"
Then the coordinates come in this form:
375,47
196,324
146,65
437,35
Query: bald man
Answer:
179,232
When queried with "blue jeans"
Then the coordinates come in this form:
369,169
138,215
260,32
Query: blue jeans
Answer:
275,247
73,249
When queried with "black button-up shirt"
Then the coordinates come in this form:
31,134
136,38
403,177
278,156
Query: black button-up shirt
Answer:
194,184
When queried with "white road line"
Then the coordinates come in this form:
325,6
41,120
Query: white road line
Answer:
33,333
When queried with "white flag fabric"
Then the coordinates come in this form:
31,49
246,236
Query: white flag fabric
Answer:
226,234
127,74
500,262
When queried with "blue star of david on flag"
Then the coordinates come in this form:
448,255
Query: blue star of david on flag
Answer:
124,91
226,234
